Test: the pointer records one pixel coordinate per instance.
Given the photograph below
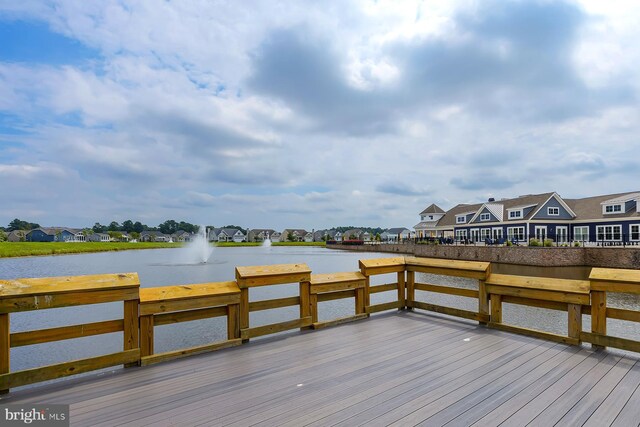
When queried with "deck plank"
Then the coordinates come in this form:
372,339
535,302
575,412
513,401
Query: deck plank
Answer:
401,367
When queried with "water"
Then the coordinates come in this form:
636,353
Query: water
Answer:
162,267
199,250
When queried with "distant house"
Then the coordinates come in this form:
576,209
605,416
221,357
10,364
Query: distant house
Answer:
17,236
154,236
182,236
50,234
427,227
297,234
394,235
276,236
231,235
99,237
357,234
260,234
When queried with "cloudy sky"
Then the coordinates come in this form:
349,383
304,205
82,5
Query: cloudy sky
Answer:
310,114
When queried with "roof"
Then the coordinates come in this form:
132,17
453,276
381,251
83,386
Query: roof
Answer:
432,208
230,231
299,231
397,230
591,207
52,231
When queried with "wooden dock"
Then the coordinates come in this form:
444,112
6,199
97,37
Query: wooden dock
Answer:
401,368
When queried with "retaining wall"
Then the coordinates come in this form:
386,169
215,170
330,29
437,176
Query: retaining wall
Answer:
612,257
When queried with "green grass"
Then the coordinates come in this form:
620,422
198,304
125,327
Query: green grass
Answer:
233,244
18,249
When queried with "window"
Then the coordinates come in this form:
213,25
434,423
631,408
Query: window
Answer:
497,232
515,214
581,234
461,219
609,232
553,211
515,233
430,216
635,232
613,208
461,235
485,233
485,217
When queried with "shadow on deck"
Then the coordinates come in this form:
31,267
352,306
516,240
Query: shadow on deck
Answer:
401,368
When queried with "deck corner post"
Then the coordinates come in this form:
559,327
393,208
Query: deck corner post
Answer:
233,324
146,335
574,321
496,308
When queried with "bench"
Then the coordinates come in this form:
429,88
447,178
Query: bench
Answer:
352,282
558,294
173,304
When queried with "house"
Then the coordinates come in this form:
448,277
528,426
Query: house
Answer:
17,236
275,236
611,218
51,234
428,220
293,234
99,237
182,236
260,234
154,236
230,235
395,235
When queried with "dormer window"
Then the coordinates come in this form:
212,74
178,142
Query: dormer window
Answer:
461,219
485,217
422,217
515,214
553,211
612,209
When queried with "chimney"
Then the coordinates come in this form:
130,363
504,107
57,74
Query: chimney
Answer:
491,199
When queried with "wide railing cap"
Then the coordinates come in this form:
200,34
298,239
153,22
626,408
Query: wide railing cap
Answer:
165,293
67,284
260,275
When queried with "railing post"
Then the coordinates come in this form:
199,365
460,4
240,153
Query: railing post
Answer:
5,346
496,308
401,298
146,335
483,298
244,310
575,321
411,290
305,301
598,314
131,327
233,324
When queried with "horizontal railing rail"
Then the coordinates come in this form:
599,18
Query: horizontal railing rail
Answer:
147,308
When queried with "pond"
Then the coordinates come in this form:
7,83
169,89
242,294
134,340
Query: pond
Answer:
162,267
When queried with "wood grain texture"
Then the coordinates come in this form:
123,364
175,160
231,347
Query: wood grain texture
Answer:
174,293
541,283
534,333
67,284
469,293
263,275
192,351
331,278
450,311
469,269
40,336
273,328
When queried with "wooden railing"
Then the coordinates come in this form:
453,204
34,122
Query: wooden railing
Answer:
147,308
41,294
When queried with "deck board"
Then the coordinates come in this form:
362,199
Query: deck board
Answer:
398,368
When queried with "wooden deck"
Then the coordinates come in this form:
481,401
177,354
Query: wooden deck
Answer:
402,368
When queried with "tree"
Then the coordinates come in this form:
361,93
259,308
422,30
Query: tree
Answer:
170,226
138,227
290,237
135,235
115,235
99,228
3,236
17,224
114,226
127,226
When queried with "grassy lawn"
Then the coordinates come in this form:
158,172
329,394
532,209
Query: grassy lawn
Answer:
232,244
17,249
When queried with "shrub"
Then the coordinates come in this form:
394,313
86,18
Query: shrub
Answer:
509,243
534,242
548,242
576,244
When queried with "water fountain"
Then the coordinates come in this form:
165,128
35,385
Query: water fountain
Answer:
266,243
199,250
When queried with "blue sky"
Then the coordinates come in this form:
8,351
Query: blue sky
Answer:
288,114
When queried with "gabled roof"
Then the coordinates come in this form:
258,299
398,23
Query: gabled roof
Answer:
52,231
432,208
622,199
449,218
230,231
591,207
397,230
559,199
